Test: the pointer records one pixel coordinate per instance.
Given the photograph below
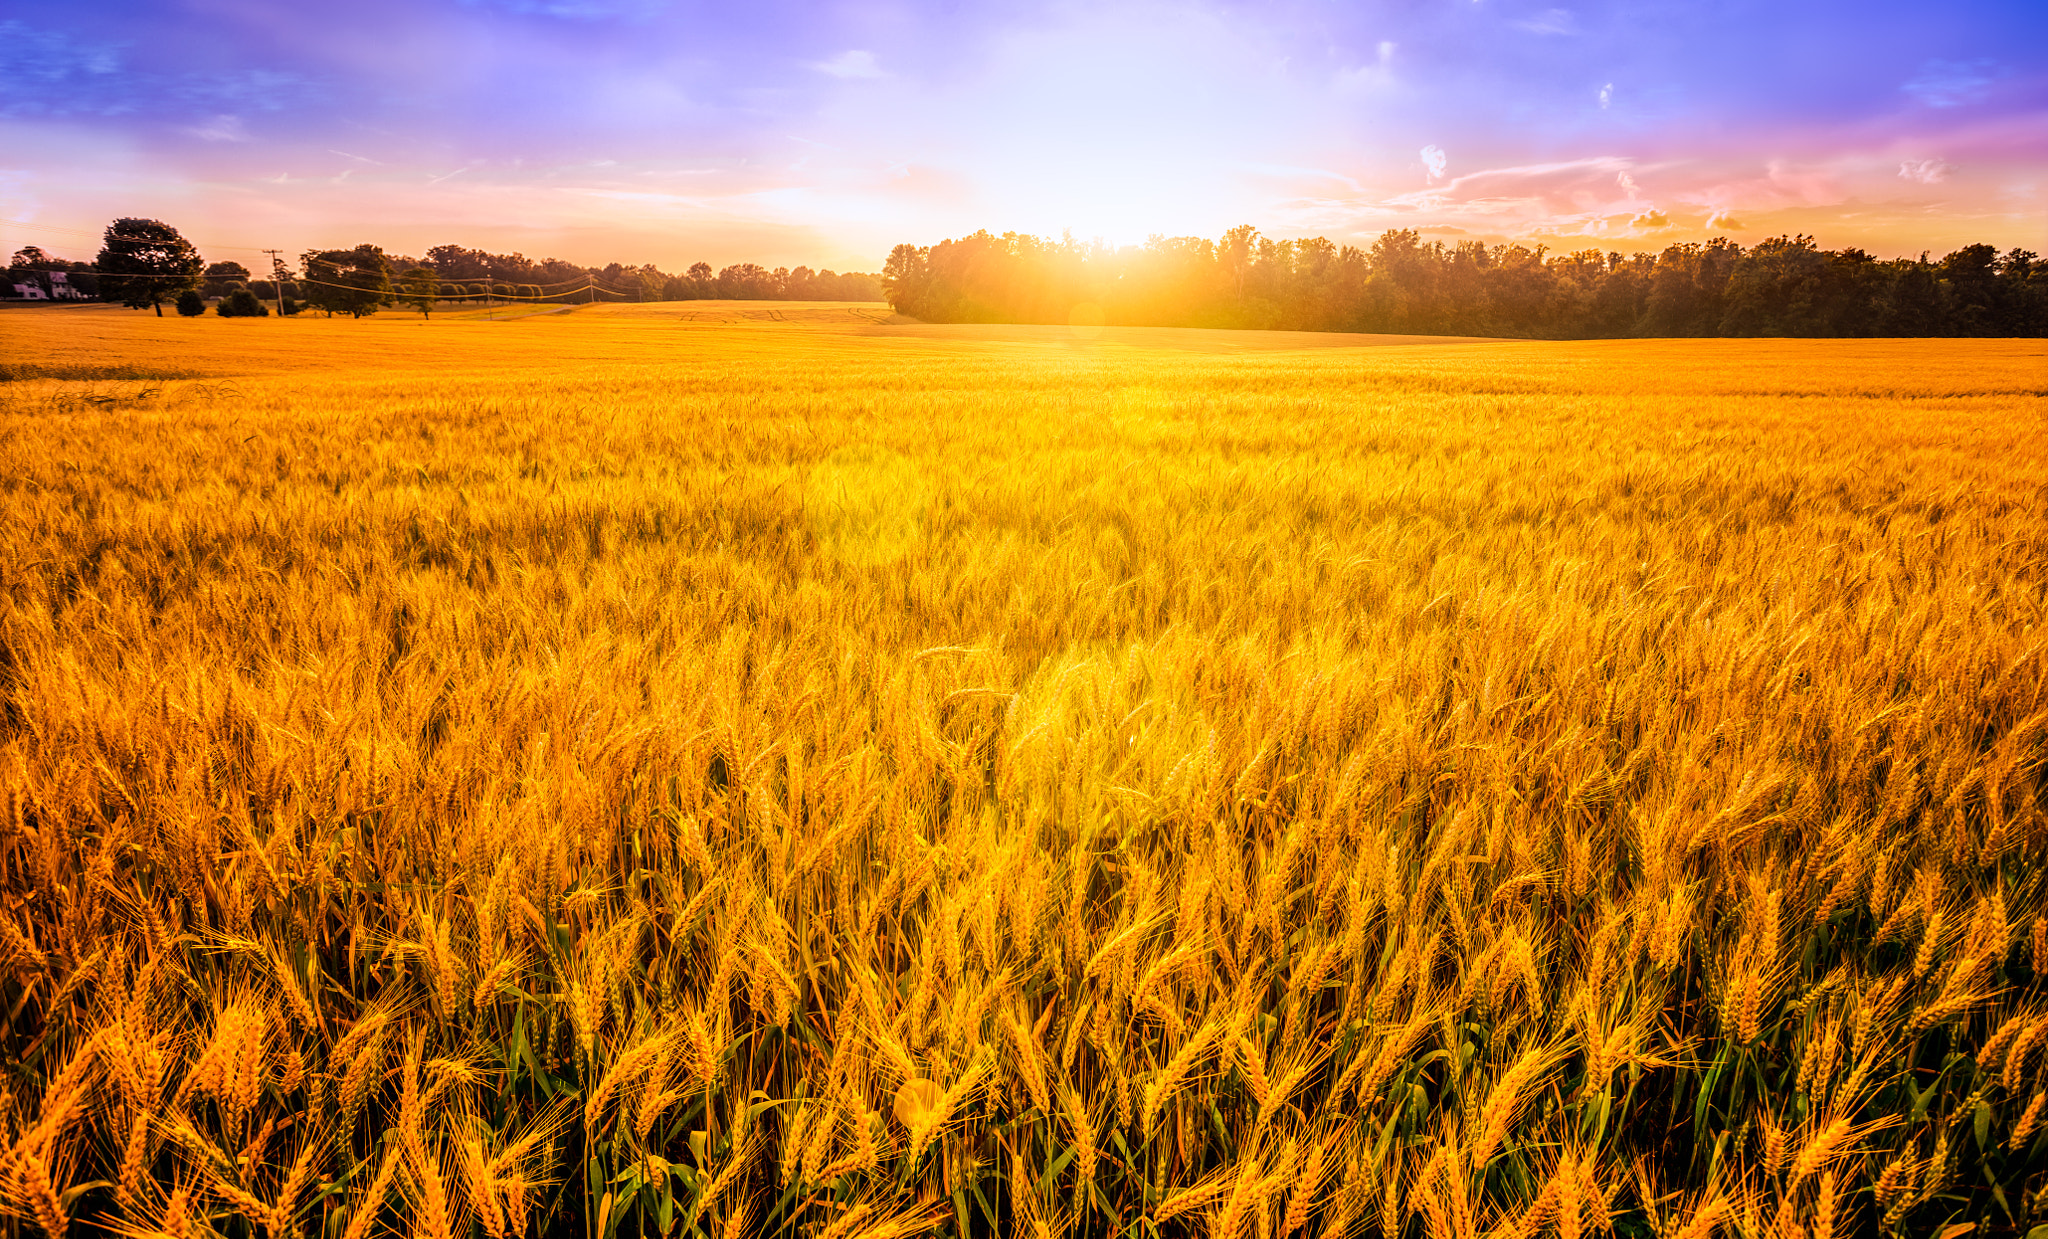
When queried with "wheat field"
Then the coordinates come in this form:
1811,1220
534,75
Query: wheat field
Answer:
705,771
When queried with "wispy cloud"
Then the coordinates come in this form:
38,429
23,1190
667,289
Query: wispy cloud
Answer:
917,119
1951,83
1550,21
1722,221
1377,74
48,73
223,128
1924,171
1565,168
49,58
854,64
579,10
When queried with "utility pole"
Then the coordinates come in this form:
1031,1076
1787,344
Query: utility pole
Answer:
278,274
490,312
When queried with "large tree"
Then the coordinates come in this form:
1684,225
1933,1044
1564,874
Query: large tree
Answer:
145,262
353,282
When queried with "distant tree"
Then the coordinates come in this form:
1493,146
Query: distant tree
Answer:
1970,276
241,303
1914,307
1777,289
223,278
419,289
906,278
1406,282
2025,281
144,262
353,282
289,307
191,304
454,262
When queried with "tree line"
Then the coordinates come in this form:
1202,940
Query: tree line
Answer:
1785,286
739,282
146,264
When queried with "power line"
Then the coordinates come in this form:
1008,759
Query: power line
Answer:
588,286
278,271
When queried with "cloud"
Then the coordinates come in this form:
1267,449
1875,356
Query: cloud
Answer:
48,74
1925,171
1606,94
1650,221
1379,73
45,73
1434,159
578,10
1550,21
1722,221
851,64
255,90
1950,83
221,129
1628,184
45,56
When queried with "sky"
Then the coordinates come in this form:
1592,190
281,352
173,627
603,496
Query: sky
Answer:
822,134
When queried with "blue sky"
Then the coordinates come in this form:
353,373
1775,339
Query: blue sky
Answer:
787,132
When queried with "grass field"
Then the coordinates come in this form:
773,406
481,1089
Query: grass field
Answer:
720,770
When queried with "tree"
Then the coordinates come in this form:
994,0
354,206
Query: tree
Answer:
145,261
30,258
241,303
905,278
353,282
457,263
421,286
223,278
191,304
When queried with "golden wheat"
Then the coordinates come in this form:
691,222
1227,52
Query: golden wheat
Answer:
587,772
